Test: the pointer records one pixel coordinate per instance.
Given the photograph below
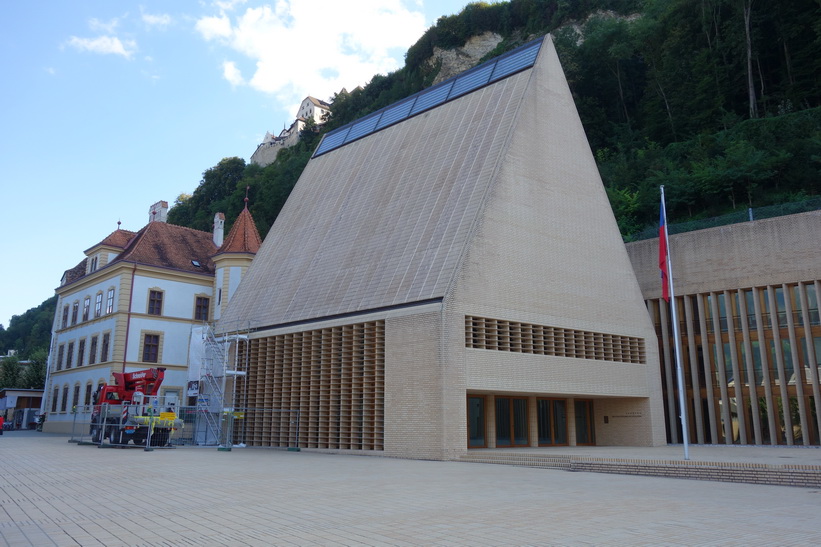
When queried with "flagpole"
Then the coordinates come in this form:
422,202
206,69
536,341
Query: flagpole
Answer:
679,374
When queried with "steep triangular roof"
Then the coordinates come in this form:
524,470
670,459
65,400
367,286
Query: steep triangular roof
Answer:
394,210
383,221
243,237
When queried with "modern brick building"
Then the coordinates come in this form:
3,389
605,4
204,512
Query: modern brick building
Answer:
448,274
747,302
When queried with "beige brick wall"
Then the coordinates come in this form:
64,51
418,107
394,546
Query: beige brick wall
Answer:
547,250
764,252
414,409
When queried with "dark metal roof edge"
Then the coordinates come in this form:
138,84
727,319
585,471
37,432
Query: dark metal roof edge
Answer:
383,309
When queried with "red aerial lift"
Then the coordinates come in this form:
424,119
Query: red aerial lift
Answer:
128,410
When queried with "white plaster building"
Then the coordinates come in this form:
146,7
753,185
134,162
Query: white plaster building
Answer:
131,302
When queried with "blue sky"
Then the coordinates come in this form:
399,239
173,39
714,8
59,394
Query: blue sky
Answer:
107,107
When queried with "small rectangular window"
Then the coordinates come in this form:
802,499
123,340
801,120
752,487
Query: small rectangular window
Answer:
76,399
61,353
86,308
104,348
151,348
64,324
64,402
87,400
98,305
155,303
54,399
92,351
81,352
201,309
69,355
109,303
74,312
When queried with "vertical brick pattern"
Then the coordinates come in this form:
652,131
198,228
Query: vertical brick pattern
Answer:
414,393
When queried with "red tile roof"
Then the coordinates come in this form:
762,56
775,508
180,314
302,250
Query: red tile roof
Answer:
118,238
243,237
75,273
171,246
176,247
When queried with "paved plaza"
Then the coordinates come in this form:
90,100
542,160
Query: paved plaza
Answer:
53,492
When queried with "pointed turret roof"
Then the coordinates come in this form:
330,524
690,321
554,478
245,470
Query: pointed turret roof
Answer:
243,237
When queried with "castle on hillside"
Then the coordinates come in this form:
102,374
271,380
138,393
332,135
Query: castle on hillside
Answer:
310,109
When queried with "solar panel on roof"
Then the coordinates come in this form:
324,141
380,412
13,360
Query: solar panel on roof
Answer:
361,128
395,113
434,97
514,63
480,76
471,81
332,140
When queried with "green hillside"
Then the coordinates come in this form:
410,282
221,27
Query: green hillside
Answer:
663,90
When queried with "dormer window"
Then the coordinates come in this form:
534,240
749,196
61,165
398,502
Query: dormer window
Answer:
92,267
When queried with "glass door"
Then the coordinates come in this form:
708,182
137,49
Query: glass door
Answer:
552,415
584,423
476,422
511,421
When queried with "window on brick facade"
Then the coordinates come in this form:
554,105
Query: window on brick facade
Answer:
81,352
109,302
92,350
201,310
61,353
75,308
155,303
98,305
104,347
64,324
86,307
69,355
151,348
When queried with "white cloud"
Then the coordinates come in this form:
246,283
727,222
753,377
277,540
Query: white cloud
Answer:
232,73
214,27
162,20
104,45
228,5
316,48
108,27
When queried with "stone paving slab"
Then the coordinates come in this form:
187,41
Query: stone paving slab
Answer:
57,493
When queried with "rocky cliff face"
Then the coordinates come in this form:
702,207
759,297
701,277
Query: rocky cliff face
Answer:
460,59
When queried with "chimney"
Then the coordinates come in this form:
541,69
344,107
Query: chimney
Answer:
158,212
219,229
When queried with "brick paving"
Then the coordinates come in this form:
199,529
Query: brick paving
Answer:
57,493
